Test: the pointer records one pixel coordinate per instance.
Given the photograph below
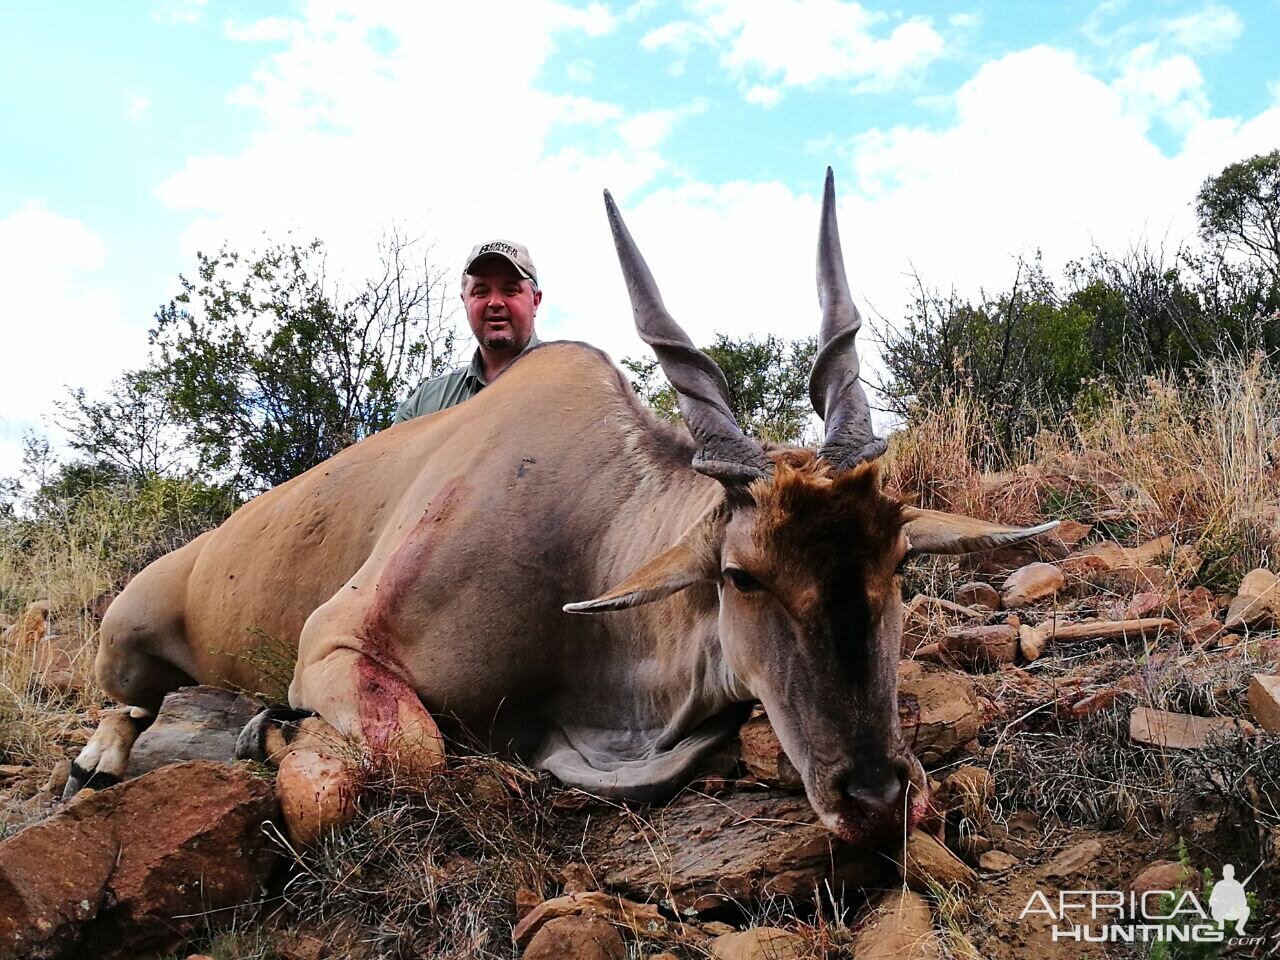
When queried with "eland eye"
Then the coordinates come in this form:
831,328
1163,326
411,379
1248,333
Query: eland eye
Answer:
742,581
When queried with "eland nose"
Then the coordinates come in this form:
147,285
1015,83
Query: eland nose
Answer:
883,795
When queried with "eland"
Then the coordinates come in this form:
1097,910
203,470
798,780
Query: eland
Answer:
551,570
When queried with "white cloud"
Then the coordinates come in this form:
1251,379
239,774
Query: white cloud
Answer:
1165,88
763,96
678,36
1040,154
1037,151
1211,30
790,43
137,108
70,329
646,131
263,30
179,11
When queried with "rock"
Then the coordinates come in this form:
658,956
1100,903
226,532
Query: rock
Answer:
924,618
759,943
1204,631
1070,532
316,792
973,647
1035,581
194,723
578,878
1147,603
928,861
300,945
997,861
704,852
1264,701
53,662
972,845
1126,580
1162,875
576,938
526,900
643,919
132,866
1071,861
29,629
1031,643
976,594
1117,557
1055,629
900,928
1257,602
762,754
1180,731
938,709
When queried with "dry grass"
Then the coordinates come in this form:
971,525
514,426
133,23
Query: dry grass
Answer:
74,557
433,870
1197,457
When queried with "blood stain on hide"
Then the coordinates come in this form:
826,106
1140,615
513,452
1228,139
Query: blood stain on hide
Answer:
378,698
403,568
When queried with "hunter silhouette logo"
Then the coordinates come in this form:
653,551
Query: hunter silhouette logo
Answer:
1228,901
1153,916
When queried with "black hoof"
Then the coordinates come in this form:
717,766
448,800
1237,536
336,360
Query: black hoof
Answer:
79,778
252,742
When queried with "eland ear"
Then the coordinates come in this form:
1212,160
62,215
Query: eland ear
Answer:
693,558
932,531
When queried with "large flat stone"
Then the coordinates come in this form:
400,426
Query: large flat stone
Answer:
194,723
137,865
702,852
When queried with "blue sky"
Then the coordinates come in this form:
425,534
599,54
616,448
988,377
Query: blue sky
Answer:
962,135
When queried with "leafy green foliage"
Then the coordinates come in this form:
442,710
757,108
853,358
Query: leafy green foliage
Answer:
1239,209
768,384
1037,352
268,370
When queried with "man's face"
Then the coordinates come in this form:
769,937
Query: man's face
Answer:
500,305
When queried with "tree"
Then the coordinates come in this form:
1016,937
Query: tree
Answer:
1239,209
1024,355
1017,353
271,369
134,430
768,384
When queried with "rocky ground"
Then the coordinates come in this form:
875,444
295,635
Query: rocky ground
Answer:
1092,717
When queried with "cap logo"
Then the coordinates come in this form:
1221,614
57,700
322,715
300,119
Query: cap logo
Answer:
497,246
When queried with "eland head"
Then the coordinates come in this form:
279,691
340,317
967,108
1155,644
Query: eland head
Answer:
806,549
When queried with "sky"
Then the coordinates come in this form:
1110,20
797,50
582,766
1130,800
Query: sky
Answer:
962,134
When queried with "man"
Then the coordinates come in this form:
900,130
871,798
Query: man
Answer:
500,295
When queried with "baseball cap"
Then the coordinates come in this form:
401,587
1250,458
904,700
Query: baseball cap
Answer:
516,254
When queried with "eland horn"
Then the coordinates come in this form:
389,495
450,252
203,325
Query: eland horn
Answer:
834,387
724,451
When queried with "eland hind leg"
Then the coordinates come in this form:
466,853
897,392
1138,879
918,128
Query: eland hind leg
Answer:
142,655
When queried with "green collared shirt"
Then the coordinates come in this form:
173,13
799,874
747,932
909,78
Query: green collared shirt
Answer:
449,388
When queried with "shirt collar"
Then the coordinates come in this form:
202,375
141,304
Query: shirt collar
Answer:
476,369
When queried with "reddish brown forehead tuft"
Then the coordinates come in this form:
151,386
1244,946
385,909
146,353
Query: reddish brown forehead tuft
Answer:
808,513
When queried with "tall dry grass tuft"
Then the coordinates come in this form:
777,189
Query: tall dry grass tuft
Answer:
73,556
1196,455
1204,447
